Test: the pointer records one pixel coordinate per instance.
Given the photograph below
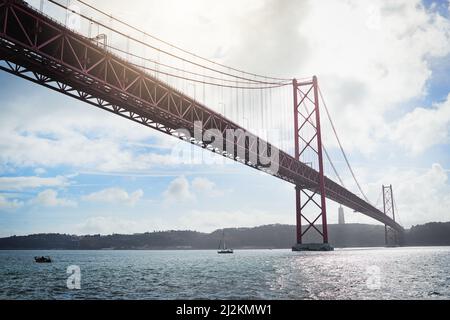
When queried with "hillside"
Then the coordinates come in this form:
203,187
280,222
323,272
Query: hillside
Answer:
268,236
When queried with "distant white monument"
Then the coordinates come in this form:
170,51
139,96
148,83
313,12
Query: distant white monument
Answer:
341,215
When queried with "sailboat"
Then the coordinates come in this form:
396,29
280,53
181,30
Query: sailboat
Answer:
222,246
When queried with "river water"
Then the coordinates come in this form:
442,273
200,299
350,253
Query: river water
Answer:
370,273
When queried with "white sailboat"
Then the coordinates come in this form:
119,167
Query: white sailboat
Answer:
222,245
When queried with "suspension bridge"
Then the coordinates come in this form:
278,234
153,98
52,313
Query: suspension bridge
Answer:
83,52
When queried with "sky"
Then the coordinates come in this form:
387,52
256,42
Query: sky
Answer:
68,167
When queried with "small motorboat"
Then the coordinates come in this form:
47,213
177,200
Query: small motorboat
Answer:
43,259
222,246
225,251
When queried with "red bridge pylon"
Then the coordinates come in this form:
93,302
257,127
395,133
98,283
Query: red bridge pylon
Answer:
308,149
391,237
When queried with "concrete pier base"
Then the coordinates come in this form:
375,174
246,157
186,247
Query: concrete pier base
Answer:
312,247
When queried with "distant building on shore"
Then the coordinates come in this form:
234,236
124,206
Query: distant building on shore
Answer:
341,215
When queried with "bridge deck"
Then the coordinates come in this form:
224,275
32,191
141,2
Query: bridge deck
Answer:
39,49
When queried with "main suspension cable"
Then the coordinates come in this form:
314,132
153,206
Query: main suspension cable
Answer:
204,82
378,200
174,46
158,49
332,166
273,84
396,211
342,149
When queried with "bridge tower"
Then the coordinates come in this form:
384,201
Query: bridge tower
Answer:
391,237
308,149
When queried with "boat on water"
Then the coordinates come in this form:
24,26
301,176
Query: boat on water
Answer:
43,259
222,245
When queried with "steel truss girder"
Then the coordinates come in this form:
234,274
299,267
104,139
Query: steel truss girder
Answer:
41,50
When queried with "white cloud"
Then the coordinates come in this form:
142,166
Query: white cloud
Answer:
79,151
421,194
205,187
20,183
49,198
77,135
423,128
115,195
7,204
179,190
40,171
370,56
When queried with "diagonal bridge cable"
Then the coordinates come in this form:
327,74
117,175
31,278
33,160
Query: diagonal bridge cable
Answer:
396,211
326,153
332,165
342,149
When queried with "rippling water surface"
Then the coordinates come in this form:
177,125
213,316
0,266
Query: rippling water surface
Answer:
385,273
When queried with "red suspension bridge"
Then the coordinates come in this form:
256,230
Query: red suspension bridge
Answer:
86,54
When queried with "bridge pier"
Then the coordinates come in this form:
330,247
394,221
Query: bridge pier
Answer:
312,247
